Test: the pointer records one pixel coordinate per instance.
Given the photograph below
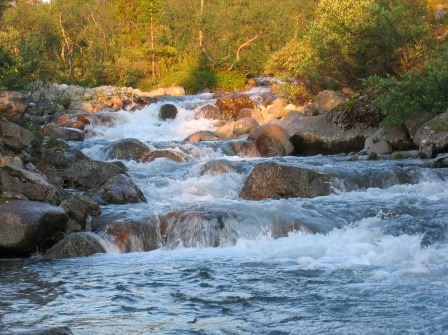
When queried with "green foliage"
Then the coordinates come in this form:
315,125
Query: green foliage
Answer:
353,39
415,91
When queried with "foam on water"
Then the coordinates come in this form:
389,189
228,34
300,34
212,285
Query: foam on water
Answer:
145,125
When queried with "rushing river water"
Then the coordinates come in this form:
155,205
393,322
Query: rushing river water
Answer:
377,262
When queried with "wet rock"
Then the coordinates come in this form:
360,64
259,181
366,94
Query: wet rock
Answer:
19,183
217,167
128,149
29,226
118,190
275,181
50,331
202,136
271,140
405,154
12,105
167,111
209,112
441,161
230,105
131,235
14,136
193,229
80,209
168,154
76,245
245,149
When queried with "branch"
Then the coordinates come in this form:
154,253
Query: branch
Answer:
245,44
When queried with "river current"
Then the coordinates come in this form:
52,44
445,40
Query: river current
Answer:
372,257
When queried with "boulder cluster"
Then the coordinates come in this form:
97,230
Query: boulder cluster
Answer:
51,193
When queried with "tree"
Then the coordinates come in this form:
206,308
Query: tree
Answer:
352,39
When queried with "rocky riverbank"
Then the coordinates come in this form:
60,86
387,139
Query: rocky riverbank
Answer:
51,193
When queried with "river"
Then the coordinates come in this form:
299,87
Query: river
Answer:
372,257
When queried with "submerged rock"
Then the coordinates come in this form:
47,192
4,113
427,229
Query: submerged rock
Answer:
29,226
167,111
168,154
275,181
49,331
77,245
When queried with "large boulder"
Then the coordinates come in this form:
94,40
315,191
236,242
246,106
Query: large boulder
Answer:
271,140
342,130
275,181
12,105
80,210
118,190
77,245
16,182
230,105
128,149
29,226
14,136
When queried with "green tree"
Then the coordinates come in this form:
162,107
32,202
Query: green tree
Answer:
352,39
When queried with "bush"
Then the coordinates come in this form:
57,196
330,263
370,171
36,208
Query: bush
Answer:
415,91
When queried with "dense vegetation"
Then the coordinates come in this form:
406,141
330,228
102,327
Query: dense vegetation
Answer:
219,44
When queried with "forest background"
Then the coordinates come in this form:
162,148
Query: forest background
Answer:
397,45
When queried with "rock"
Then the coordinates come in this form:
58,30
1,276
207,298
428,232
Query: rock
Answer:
380,148
432,136
168,154
67,134
12,105
58,155
77,245
217,167
396,136
175,91
50,331
202,136
271,140
131,235
275,181
88,174
293,120
17,182
29,226
14,136
245,149
405,154
244,126
226,132
209,112
413,123
252,113
128,149
441,161
80,209
328,100
167,111
341,130
118,190
230,105
192,229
